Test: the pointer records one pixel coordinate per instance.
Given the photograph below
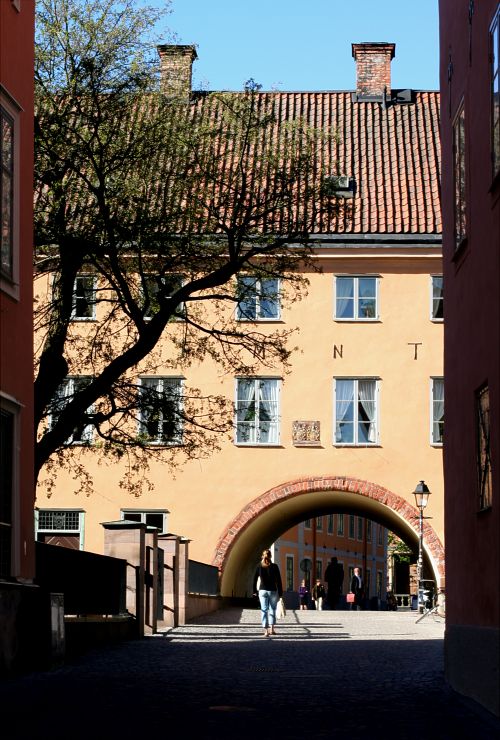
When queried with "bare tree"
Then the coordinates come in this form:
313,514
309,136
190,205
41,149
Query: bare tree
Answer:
147,209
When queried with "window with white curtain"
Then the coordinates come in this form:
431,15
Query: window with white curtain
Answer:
437,385
258,299
257,411
356,298
71,385
356,408
437,297
160,419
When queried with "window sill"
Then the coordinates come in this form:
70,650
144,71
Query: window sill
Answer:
316,445
260,321
258,444
438,445
494,188
437,321
460,252
485,510
357,321
357,446
83,319
9,287
163,445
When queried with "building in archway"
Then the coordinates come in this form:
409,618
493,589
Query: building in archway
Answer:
306,550
358,421
470,90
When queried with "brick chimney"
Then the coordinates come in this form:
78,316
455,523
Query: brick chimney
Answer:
373,68
176,63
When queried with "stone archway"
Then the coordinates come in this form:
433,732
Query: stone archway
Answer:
291,502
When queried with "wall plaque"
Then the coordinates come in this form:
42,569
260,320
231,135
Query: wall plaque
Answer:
306,433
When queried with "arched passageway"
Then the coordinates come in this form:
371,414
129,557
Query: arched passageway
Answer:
265,518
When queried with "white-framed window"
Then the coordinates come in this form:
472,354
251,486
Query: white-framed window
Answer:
340,525
62,527
9,485
437,410
84,298
495,91
289,572
166,285
369,530
257,411
71,385
258,299
356,411
330,524
307,524
437,298
319,523
352,526
356,298
160,416
151,517
9,195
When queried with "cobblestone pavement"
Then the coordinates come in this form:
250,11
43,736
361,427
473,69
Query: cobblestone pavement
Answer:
325,675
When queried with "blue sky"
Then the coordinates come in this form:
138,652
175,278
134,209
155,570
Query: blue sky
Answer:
304,44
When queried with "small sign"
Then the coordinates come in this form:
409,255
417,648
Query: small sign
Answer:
306,433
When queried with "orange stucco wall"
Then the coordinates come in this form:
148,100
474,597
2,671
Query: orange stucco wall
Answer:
206,495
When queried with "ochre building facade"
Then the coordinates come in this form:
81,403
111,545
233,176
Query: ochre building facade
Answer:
358,420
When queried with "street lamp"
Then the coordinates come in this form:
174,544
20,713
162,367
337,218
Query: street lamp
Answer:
421,494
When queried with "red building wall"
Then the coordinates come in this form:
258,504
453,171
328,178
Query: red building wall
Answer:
472,342
17,558
16,369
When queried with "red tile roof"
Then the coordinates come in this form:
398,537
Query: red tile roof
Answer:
392,153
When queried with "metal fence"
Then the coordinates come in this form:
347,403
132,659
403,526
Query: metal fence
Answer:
203,579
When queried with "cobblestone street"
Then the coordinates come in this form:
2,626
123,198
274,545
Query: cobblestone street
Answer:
326,674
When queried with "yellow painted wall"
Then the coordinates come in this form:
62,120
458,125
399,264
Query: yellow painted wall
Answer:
206,495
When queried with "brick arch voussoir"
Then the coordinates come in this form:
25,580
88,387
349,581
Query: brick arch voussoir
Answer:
325,483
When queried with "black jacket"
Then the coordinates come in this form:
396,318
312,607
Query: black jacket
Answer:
270,578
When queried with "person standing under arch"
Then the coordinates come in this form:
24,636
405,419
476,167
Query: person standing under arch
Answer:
358,589
334,576
267,584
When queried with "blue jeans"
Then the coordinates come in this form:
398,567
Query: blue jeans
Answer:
268,603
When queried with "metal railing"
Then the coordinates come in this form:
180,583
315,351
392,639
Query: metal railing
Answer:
203,579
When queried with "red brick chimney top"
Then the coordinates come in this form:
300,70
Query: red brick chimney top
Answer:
373,67
176,62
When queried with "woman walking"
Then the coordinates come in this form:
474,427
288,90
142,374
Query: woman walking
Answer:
267,583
